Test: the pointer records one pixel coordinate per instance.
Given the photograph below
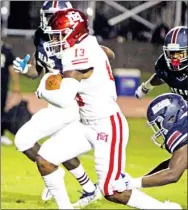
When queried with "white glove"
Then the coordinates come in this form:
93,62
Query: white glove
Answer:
20,65
126,182
141,91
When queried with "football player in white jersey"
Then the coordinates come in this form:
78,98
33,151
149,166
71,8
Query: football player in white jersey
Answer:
88,78
50,120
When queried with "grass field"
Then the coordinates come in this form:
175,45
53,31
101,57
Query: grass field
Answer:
21,184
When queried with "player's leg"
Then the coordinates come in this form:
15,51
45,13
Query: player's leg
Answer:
110,144
67,143
76,169
45,123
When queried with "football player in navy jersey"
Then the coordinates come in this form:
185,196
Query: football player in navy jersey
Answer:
172,66
41,63
7,73
167,116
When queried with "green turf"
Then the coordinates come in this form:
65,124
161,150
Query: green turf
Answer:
29,85
21,184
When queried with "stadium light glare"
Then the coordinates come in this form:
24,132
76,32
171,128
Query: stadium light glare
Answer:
90,11
4,10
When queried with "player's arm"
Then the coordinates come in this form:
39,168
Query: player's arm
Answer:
64,96
177,166
27,66
34,69
109,52
161,166
153,81
147,86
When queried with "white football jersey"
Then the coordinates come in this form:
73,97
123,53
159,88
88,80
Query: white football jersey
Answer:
97,94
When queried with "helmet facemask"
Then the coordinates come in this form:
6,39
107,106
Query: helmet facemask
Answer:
58,41
178,62
159,131
61,40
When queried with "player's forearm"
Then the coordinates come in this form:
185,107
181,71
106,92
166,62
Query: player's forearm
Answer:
32,72
160,178
15,79
63,97
161,166
154,80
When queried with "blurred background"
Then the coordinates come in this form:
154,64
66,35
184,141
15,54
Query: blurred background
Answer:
125,26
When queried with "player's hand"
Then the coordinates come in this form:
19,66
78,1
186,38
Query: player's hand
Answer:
42,86
141,91
124,183
20,65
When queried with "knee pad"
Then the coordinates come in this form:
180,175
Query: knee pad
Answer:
25,138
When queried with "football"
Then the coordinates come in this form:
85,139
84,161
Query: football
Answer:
53,82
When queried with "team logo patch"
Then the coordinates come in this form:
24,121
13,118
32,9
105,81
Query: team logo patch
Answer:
160,105
102,136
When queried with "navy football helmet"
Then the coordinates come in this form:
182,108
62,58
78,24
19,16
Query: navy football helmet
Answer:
176,48
49,8
163,113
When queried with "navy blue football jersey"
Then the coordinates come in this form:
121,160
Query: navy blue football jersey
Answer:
41,57
177,81
177,136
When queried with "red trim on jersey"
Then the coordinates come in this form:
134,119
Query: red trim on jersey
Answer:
79,100
82,59
172,138
112,154
54,4
79,62
108,68
120,146
174,36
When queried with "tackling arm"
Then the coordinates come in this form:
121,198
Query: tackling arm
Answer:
147,86
177,165
161,166
32,68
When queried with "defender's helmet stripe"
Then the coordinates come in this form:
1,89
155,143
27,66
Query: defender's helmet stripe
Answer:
177,35
174,35
55,3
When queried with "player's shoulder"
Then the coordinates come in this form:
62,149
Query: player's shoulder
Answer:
160,62
6,48
81,49
177,135
161,67
39,35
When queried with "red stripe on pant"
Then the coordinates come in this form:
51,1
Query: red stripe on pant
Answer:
112,153
120,146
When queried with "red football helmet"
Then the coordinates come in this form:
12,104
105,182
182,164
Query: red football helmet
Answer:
66,28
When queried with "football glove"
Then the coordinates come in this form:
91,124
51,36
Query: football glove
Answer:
20,65
141,91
